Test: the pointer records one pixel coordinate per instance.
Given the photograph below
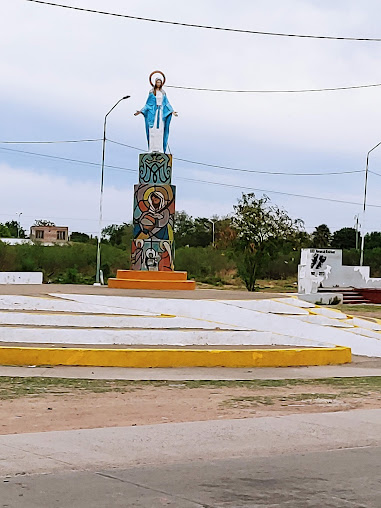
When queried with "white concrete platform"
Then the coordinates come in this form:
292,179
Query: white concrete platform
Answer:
21,277
101,320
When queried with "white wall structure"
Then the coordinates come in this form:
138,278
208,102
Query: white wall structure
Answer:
16,241
96,320
323,268
21,277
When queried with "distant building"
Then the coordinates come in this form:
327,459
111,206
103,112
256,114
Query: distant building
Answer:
16,241
49,235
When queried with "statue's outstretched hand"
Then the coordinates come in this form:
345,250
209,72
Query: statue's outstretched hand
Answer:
137,113
175,113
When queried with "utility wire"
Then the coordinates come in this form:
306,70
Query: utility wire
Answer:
277,192
302,90
247,170
48,142
207,27
66,159
183,160
118,168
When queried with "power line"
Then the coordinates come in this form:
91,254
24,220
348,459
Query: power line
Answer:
66,159
207,27
277,192
248,170
48,142
118,168
302,90
77,161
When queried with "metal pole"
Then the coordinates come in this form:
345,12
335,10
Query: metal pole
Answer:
97,275
18,225
364,206
213,231
357,231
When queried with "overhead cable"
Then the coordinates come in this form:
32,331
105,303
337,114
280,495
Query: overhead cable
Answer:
301,90
217,166
118,168
277,192
207,27
66,159
182,160
49,142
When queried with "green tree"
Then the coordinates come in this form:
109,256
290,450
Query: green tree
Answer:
321,237
344,238
15,229
261,230
119,235
4,231
183,229
225,233
43,222
79,237
373,240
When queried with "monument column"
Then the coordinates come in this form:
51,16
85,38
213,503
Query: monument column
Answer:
152,250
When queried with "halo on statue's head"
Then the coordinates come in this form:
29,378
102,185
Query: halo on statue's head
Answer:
156,72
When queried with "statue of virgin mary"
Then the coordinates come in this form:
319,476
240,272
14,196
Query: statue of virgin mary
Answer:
157,113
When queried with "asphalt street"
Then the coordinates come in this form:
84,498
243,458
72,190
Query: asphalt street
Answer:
336,478
297,461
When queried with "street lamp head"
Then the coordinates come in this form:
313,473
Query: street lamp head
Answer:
127,97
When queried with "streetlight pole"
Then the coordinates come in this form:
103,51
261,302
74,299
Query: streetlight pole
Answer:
364,206
356,217
18,225
213,231
97,276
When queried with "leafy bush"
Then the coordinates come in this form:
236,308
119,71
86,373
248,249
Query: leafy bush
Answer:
204,264
69,264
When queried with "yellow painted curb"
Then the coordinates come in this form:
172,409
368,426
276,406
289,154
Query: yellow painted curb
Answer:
174,357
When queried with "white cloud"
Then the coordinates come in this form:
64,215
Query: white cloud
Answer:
62,70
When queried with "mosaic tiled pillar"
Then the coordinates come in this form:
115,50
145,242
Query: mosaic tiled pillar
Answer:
153,216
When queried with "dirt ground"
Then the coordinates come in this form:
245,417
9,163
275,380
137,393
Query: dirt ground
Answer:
83,405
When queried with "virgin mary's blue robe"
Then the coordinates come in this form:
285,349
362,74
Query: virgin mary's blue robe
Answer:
149,112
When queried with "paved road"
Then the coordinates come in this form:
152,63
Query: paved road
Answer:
340,479
81,289
360,366
297,461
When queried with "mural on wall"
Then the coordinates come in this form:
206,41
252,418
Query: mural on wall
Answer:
152,255
154,209
155,168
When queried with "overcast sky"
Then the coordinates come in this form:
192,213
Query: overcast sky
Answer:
63,70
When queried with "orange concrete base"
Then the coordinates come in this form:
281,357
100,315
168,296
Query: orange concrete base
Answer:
133,279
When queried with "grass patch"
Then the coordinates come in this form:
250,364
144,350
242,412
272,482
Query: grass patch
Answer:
15,387
359,309
248,401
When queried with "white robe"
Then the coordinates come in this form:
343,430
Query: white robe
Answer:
156,133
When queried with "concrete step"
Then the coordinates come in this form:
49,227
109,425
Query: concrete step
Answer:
147,275
152,284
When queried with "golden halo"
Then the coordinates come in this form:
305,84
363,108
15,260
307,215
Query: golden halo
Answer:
156,72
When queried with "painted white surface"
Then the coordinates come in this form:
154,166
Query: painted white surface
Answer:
21,277
104,321
234,314
150,337
30,303
323,268
89,319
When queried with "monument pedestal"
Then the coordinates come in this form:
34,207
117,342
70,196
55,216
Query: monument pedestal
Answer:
133,279
152,253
